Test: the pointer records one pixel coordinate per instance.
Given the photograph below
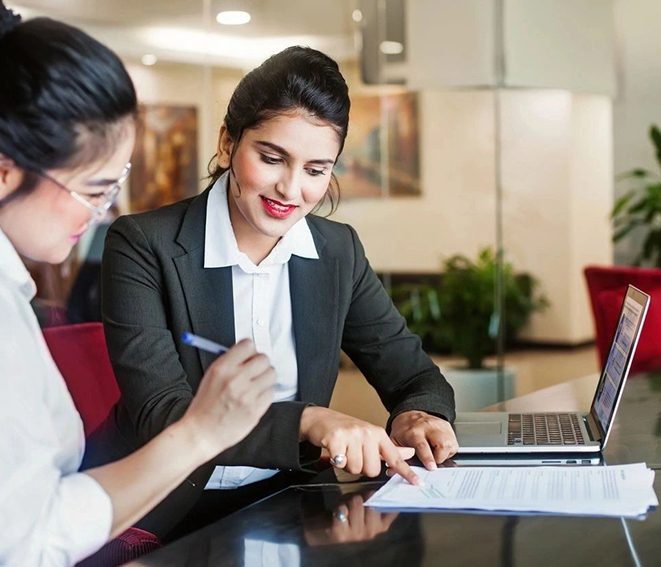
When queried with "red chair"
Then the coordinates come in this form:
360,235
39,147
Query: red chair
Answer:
82,358
607,286
126,547
81,355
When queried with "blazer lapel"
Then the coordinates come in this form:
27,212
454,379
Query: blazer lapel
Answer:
314,298
207,291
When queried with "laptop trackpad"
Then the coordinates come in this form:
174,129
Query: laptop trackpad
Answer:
477,430
480,428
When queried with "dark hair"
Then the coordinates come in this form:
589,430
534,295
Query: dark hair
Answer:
296,78
62,95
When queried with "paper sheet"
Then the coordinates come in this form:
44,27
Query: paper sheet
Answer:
623,490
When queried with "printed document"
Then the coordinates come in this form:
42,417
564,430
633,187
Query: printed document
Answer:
622,490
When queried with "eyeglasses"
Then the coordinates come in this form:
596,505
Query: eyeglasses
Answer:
98,203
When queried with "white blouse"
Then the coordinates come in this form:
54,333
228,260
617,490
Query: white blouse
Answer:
49,513
262,306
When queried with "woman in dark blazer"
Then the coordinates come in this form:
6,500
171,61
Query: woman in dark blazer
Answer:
247,258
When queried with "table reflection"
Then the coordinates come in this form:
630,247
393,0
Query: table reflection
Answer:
338,516
305,525
350,522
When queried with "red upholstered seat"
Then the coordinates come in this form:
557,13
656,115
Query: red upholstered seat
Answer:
607,285
82,358
81,355
133,543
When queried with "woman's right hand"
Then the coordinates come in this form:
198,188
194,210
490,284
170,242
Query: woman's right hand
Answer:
363,444
234,393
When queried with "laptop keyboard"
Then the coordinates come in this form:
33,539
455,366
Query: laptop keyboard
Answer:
544,429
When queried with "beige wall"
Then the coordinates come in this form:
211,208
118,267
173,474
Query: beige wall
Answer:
557,194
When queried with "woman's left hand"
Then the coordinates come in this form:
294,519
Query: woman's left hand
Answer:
432,437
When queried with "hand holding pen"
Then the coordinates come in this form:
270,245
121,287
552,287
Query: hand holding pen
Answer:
235,391
203,344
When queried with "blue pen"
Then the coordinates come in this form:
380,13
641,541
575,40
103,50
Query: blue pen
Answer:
203,344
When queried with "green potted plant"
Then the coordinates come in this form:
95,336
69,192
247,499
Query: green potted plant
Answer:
468,321
458,316
639,209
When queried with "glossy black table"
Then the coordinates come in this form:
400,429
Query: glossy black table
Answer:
324,523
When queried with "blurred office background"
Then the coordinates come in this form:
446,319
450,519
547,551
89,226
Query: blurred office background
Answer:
495,125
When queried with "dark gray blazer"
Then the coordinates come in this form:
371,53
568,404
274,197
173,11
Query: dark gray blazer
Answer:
155,288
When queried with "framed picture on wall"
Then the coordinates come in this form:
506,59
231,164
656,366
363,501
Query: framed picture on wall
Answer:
381,154
164,162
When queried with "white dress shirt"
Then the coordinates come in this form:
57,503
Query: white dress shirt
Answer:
49,513
262,306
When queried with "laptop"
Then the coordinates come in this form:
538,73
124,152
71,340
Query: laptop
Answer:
554,437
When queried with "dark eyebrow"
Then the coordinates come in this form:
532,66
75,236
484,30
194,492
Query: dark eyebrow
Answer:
284,153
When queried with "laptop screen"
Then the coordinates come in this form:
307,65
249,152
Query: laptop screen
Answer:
620,356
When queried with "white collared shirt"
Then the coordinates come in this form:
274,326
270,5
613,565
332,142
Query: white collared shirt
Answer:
50,514
262,306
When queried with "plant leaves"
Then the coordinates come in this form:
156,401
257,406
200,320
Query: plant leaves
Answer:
620,234
621,203
637,173
655,136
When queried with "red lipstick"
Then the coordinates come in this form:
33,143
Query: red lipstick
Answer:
276,209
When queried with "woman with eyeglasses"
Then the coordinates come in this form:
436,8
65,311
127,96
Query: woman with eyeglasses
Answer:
67,127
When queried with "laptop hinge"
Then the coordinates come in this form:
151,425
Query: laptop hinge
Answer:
592,427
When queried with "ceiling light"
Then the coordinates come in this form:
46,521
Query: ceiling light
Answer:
233,17
149,59
391,47
357,16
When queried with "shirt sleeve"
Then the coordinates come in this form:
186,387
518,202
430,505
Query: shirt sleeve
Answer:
50,514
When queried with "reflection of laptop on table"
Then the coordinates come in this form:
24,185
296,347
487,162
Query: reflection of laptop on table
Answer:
492,434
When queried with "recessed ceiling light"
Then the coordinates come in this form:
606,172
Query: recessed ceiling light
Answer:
357,16
149,59
391,47
233,17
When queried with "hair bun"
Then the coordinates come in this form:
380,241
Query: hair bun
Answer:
8,20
